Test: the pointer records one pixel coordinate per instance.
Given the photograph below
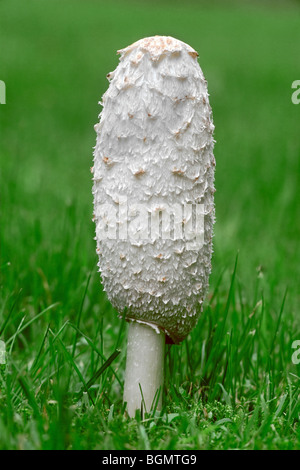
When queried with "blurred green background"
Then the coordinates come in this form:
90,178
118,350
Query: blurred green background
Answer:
54,57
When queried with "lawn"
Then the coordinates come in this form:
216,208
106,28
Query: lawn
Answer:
232,384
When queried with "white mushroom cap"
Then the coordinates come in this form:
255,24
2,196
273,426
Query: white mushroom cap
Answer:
155,148
156,47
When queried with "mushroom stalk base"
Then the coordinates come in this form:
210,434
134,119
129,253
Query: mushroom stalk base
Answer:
144,375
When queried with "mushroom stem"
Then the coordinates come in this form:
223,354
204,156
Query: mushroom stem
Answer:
144,374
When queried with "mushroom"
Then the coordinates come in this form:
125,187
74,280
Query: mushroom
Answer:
154,203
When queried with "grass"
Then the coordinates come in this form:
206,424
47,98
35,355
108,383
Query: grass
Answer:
232,383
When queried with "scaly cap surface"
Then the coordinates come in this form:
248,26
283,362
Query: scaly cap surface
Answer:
155,148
